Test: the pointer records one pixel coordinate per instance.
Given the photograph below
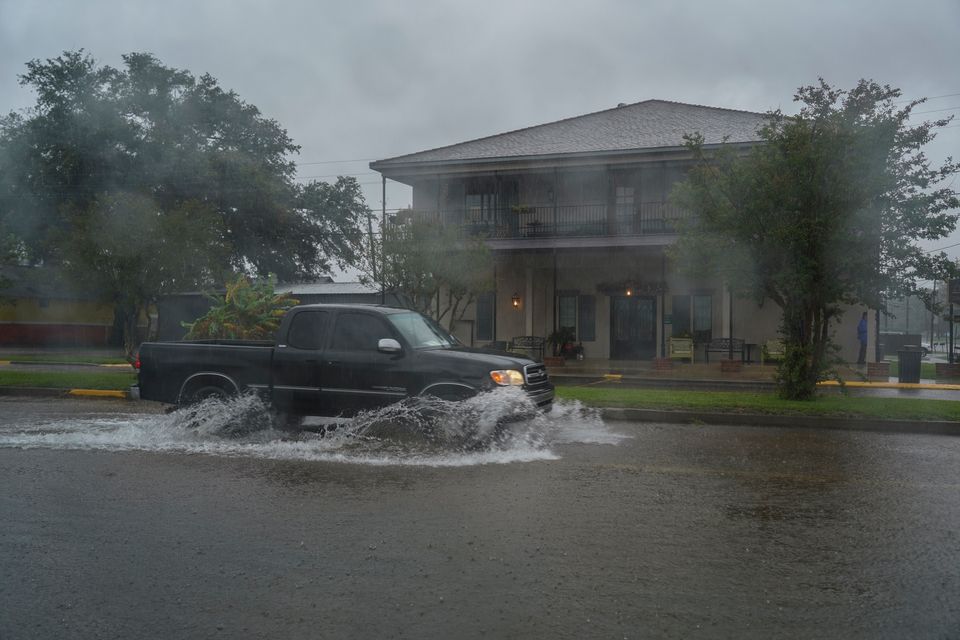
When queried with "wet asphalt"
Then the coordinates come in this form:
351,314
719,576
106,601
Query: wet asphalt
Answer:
679,531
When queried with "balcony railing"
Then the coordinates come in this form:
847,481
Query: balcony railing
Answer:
553,221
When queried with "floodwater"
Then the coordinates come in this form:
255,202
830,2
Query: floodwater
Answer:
498,427
120,522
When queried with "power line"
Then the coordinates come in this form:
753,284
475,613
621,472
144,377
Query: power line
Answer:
338,175
945,95
949,246
913,113
300,164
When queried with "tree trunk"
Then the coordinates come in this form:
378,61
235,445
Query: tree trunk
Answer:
806,333
131,318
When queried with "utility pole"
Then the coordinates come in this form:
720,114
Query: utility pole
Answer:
933,305
383,232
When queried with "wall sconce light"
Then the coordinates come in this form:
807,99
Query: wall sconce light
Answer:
629,292
515,301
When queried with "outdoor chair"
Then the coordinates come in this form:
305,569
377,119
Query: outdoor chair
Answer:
680,349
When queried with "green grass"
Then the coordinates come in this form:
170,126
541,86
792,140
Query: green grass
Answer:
763,403
65,358
68,379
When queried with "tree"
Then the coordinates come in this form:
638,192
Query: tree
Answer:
149,138
127,252
430,267
825,212
247,311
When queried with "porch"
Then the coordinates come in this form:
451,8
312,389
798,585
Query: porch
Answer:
558,220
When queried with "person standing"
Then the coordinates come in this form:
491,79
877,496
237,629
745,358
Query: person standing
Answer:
862,337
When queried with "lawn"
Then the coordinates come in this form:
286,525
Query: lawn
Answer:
63,358
68,379
834,405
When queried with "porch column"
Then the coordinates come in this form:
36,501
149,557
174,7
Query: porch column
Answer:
660,333
726,313
528,304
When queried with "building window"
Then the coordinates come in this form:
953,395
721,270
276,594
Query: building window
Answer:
480,200
702,317
588,319
693,316
486,312
567,310
578,313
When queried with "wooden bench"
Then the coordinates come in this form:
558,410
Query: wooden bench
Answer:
772,350
680,349
528,345
726,345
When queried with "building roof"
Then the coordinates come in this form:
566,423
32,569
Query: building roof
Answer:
327,288
651,124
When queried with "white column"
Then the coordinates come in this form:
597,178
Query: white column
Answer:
528,304
725,313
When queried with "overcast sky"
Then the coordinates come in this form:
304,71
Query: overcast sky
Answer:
354,81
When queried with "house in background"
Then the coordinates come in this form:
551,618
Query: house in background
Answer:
578,217
38,308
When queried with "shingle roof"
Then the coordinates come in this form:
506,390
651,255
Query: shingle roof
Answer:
327,288
649,124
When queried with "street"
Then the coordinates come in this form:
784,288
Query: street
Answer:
121,522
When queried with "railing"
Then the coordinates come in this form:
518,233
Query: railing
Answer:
552,221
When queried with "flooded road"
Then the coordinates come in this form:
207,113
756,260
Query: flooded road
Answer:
121,522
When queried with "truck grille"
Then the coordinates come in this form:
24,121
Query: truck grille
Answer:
535,374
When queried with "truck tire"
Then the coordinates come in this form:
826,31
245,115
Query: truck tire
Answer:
204,392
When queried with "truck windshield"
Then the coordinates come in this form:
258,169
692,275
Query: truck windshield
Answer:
421,332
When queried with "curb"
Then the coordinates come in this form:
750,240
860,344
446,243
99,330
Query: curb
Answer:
99,393
933,427
45,392
53,363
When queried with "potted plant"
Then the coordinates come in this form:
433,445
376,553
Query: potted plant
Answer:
562,341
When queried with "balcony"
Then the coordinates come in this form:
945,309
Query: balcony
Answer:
561,221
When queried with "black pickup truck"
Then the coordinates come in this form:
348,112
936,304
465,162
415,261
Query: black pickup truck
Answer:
336,360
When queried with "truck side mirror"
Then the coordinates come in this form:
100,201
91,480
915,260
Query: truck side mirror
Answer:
389,345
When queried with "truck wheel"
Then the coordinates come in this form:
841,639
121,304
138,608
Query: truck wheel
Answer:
204,393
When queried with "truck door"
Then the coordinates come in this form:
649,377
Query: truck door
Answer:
298,362
356,374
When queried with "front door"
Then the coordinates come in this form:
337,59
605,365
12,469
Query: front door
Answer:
633,328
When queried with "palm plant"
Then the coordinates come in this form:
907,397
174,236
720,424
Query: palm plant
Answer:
247,311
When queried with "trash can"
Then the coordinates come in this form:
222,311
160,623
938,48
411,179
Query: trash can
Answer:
910,356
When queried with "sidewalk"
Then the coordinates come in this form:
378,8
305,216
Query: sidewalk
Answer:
749,377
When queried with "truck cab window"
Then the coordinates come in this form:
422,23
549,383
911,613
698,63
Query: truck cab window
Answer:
359,332
308,330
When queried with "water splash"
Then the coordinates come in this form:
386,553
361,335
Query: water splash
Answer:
493,428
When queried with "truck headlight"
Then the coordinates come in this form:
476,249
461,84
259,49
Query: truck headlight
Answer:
507,377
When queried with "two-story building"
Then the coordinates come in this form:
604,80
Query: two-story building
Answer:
578,216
